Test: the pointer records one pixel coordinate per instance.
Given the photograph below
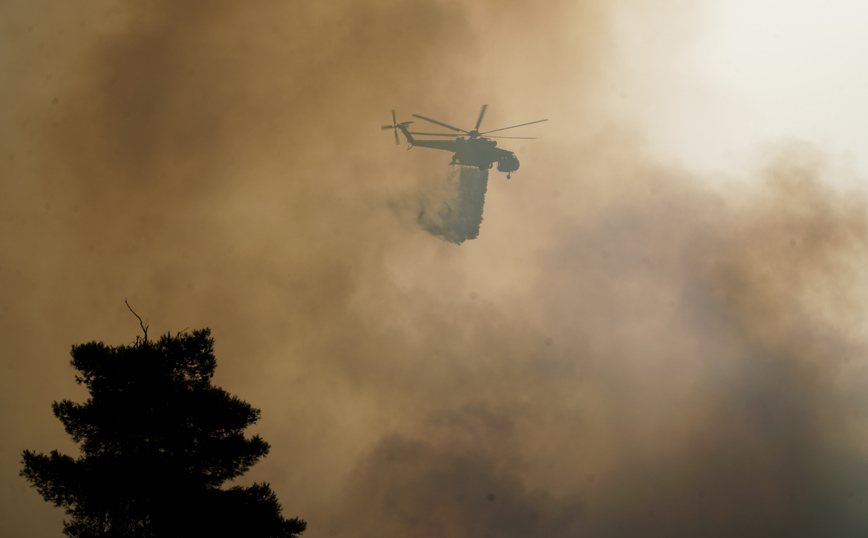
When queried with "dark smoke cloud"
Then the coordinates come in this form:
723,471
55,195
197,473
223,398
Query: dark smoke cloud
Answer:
625,349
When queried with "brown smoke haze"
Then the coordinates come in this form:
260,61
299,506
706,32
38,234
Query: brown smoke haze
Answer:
627,349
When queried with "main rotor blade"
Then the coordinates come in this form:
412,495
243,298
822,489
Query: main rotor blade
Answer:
514,126
487,137
394,120
396,137
440,123
453,136
479,121
435,134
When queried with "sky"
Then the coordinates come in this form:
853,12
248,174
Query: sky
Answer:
658,331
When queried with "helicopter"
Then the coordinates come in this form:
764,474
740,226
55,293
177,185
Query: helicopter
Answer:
473,150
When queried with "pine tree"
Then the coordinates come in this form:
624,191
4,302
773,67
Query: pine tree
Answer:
157,442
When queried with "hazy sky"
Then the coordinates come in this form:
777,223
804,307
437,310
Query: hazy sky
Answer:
658,332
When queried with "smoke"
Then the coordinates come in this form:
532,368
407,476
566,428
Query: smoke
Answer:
627,348
674,371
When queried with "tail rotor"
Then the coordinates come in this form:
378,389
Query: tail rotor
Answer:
395,126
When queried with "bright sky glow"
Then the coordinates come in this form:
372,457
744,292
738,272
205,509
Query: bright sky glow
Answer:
758,72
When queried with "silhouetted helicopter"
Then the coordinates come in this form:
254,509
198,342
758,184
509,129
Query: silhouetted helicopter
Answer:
475,150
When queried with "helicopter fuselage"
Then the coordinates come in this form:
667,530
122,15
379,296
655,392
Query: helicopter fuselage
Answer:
478,152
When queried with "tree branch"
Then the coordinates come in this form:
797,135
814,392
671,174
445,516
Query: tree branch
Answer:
141,323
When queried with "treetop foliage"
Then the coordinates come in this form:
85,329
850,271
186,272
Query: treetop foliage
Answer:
157,441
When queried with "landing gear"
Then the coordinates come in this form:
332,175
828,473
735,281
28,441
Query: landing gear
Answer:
508,176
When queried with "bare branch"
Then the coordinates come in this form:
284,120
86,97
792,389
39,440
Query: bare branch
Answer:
141,323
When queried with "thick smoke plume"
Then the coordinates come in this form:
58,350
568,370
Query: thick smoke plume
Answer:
627,349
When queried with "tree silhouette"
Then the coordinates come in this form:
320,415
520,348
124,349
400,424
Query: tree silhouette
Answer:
157,442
